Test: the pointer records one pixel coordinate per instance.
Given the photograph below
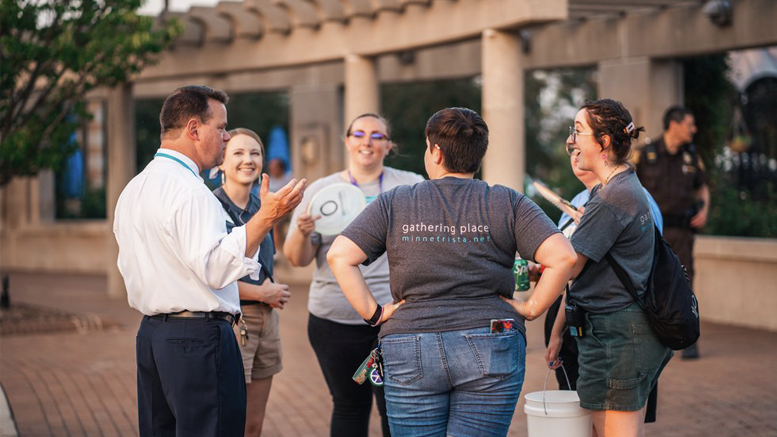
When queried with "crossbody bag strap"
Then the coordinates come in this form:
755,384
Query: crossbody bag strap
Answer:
624,278
579,275
236,221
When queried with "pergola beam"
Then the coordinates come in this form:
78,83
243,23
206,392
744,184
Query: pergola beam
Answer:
673,33
440,23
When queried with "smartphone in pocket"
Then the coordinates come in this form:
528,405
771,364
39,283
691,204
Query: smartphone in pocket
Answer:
502,325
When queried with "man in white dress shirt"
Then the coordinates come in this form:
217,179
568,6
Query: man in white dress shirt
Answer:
180,266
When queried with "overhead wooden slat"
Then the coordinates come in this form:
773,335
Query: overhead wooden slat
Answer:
217,28
247,22
304,14
193,30
332,10
274,17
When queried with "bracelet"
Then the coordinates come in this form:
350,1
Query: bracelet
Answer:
376,317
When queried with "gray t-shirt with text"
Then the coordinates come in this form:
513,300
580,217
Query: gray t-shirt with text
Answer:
616,219
326,300
451,244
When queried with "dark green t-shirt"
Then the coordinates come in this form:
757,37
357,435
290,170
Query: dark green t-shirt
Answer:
451,244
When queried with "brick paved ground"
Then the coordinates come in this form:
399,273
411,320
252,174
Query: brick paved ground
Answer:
70,384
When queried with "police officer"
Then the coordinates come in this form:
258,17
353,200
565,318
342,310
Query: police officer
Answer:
673,173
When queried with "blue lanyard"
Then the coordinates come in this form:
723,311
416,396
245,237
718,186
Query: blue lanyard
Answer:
165,155
380,181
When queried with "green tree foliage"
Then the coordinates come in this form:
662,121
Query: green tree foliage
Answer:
744,200
709,94
552,98
258,111
408,106
52,52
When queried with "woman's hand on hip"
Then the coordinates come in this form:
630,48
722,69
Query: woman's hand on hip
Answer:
388,310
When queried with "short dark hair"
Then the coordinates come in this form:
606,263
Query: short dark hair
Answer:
187,102
676,114
610,117
462,136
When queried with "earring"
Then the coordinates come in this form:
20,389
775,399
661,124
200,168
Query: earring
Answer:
223,178
604,158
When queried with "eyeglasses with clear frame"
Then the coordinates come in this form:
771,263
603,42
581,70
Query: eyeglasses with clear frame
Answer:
571,148
573,132
375,136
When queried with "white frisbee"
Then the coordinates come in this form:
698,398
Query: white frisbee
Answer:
338,205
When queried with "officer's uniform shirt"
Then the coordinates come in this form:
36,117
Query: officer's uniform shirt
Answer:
672,180
174,250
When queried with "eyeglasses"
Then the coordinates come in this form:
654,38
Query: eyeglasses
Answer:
573,132
375,136
571,148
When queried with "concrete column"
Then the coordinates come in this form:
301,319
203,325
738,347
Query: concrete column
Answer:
647,87
316,130
42,206
121,168
16,203
361,86
47,201
505,161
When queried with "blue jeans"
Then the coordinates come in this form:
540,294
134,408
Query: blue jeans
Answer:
456,383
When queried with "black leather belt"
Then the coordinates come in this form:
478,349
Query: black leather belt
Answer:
231,319
251,302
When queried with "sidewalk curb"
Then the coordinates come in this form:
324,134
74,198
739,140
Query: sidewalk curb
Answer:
7,423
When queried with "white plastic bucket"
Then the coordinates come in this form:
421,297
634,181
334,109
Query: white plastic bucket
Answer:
556,413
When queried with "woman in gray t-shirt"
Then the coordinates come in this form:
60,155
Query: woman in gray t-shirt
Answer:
453,347
620,358
337,334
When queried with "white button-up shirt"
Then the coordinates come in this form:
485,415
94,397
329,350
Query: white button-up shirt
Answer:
174,250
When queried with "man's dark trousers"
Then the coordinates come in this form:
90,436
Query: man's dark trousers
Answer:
190,379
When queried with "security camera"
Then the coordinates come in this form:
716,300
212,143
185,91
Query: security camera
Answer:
718,11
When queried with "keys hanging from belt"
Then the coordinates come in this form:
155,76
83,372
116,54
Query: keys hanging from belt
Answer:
243,332
371,368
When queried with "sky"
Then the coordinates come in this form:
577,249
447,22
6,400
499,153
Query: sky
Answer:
153,7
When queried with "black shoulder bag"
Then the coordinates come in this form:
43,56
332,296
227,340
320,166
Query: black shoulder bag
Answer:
669,301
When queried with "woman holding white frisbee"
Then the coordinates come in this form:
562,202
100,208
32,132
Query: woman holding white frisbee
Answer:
338,335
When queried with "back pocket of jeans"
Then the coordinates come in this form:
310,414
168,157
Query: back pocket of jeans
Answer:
402,359
497,355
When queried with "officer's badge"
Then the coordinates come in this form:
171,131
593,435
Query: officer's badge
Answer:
652,156
687,158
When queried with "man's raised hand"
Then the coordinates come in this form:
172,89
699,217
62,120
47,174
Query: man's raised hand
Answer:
277,205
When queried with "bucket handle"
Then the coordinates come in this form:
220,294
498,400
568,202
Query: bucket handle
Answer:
545,386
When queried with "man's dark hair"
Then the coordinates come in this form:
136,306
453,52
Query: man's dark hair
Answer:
462,136
676,114
610,117
187,102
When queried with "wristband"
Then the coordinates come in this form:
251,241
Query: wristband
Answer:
376,317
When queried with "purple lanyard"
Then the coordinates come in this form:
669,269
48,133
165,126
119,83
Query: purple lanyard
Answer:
380,181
